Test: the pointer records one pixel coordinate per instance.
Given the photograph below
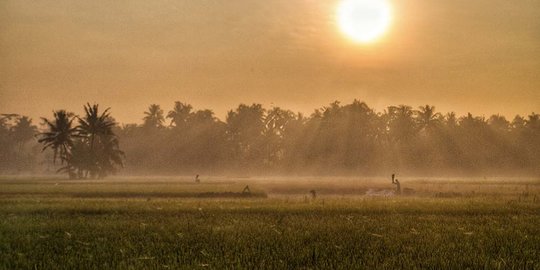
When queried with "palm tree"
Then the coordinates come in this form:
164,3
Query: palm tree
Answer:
451,120
103,147
23,131
201,117
427,118
109,156
154,117
93,125
7,146
179,114
470,122
59,134
80,160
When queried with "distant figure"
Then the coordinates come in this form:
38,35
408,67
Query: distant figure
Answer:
398,186
313,193
246,190
396,182
197,180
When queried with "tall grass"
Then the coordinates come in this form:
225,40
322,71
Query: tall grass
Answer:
58,231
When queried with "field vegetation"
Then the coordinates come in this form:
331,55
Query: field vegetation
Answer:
163,223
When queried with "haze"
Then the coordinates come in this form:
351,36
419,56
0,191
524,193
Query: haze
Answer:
465,56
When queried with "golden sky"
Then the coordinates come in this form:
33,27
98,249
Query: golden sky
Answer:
479,56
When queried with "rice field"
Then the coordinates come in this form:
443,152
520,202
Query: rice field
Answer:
351,223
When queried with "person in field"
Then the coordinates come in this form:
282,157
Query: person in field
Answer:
395,181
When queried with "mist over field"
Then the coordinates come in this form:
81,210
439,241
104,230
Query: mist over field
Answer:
282,134
337,139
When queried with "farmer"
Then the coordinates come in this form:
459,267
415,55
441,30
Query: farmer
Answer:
396,182
398,186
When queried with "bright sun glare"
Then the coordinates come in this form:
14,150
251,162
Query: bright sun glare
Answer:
364,20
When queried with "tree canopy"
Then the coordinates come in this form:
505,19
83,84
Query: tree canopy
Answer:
90,149
335,139
338,138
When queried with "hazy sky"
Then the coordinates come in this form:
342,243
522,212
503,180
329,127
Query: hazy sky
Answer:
481,56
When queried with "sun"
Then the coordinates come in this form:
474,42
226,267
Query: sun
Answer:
364,21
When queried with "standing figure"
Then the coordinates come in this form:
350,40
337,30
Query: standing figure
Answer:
396,182
398,187
197,180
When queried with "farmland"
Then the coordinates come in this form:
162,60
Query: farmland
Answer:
164,223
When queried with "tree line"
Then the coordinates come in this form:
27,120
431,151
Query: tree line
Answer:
335,139
84,146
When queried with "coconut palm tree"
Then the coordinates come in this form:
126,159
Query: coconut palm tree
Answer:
179,114
95,129
91,148
427,118
6,139
154,117
23,131
451,120
94,126
59,134
79,160
109,156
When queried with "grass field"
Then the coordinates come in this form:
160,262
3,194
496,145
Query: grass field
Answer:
163,223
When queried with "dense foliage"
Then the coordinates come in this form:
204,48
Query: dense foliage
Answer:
88,149
336,139
16,152
350,138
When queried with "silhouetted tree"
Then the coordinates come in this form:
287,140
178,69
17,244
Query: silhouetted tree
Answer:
401,123
179,114
451,120
59,135
153,117
499,123
89,149
529,140
95,130
18,150
427,118
245,127
276,125
23,131
337,138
